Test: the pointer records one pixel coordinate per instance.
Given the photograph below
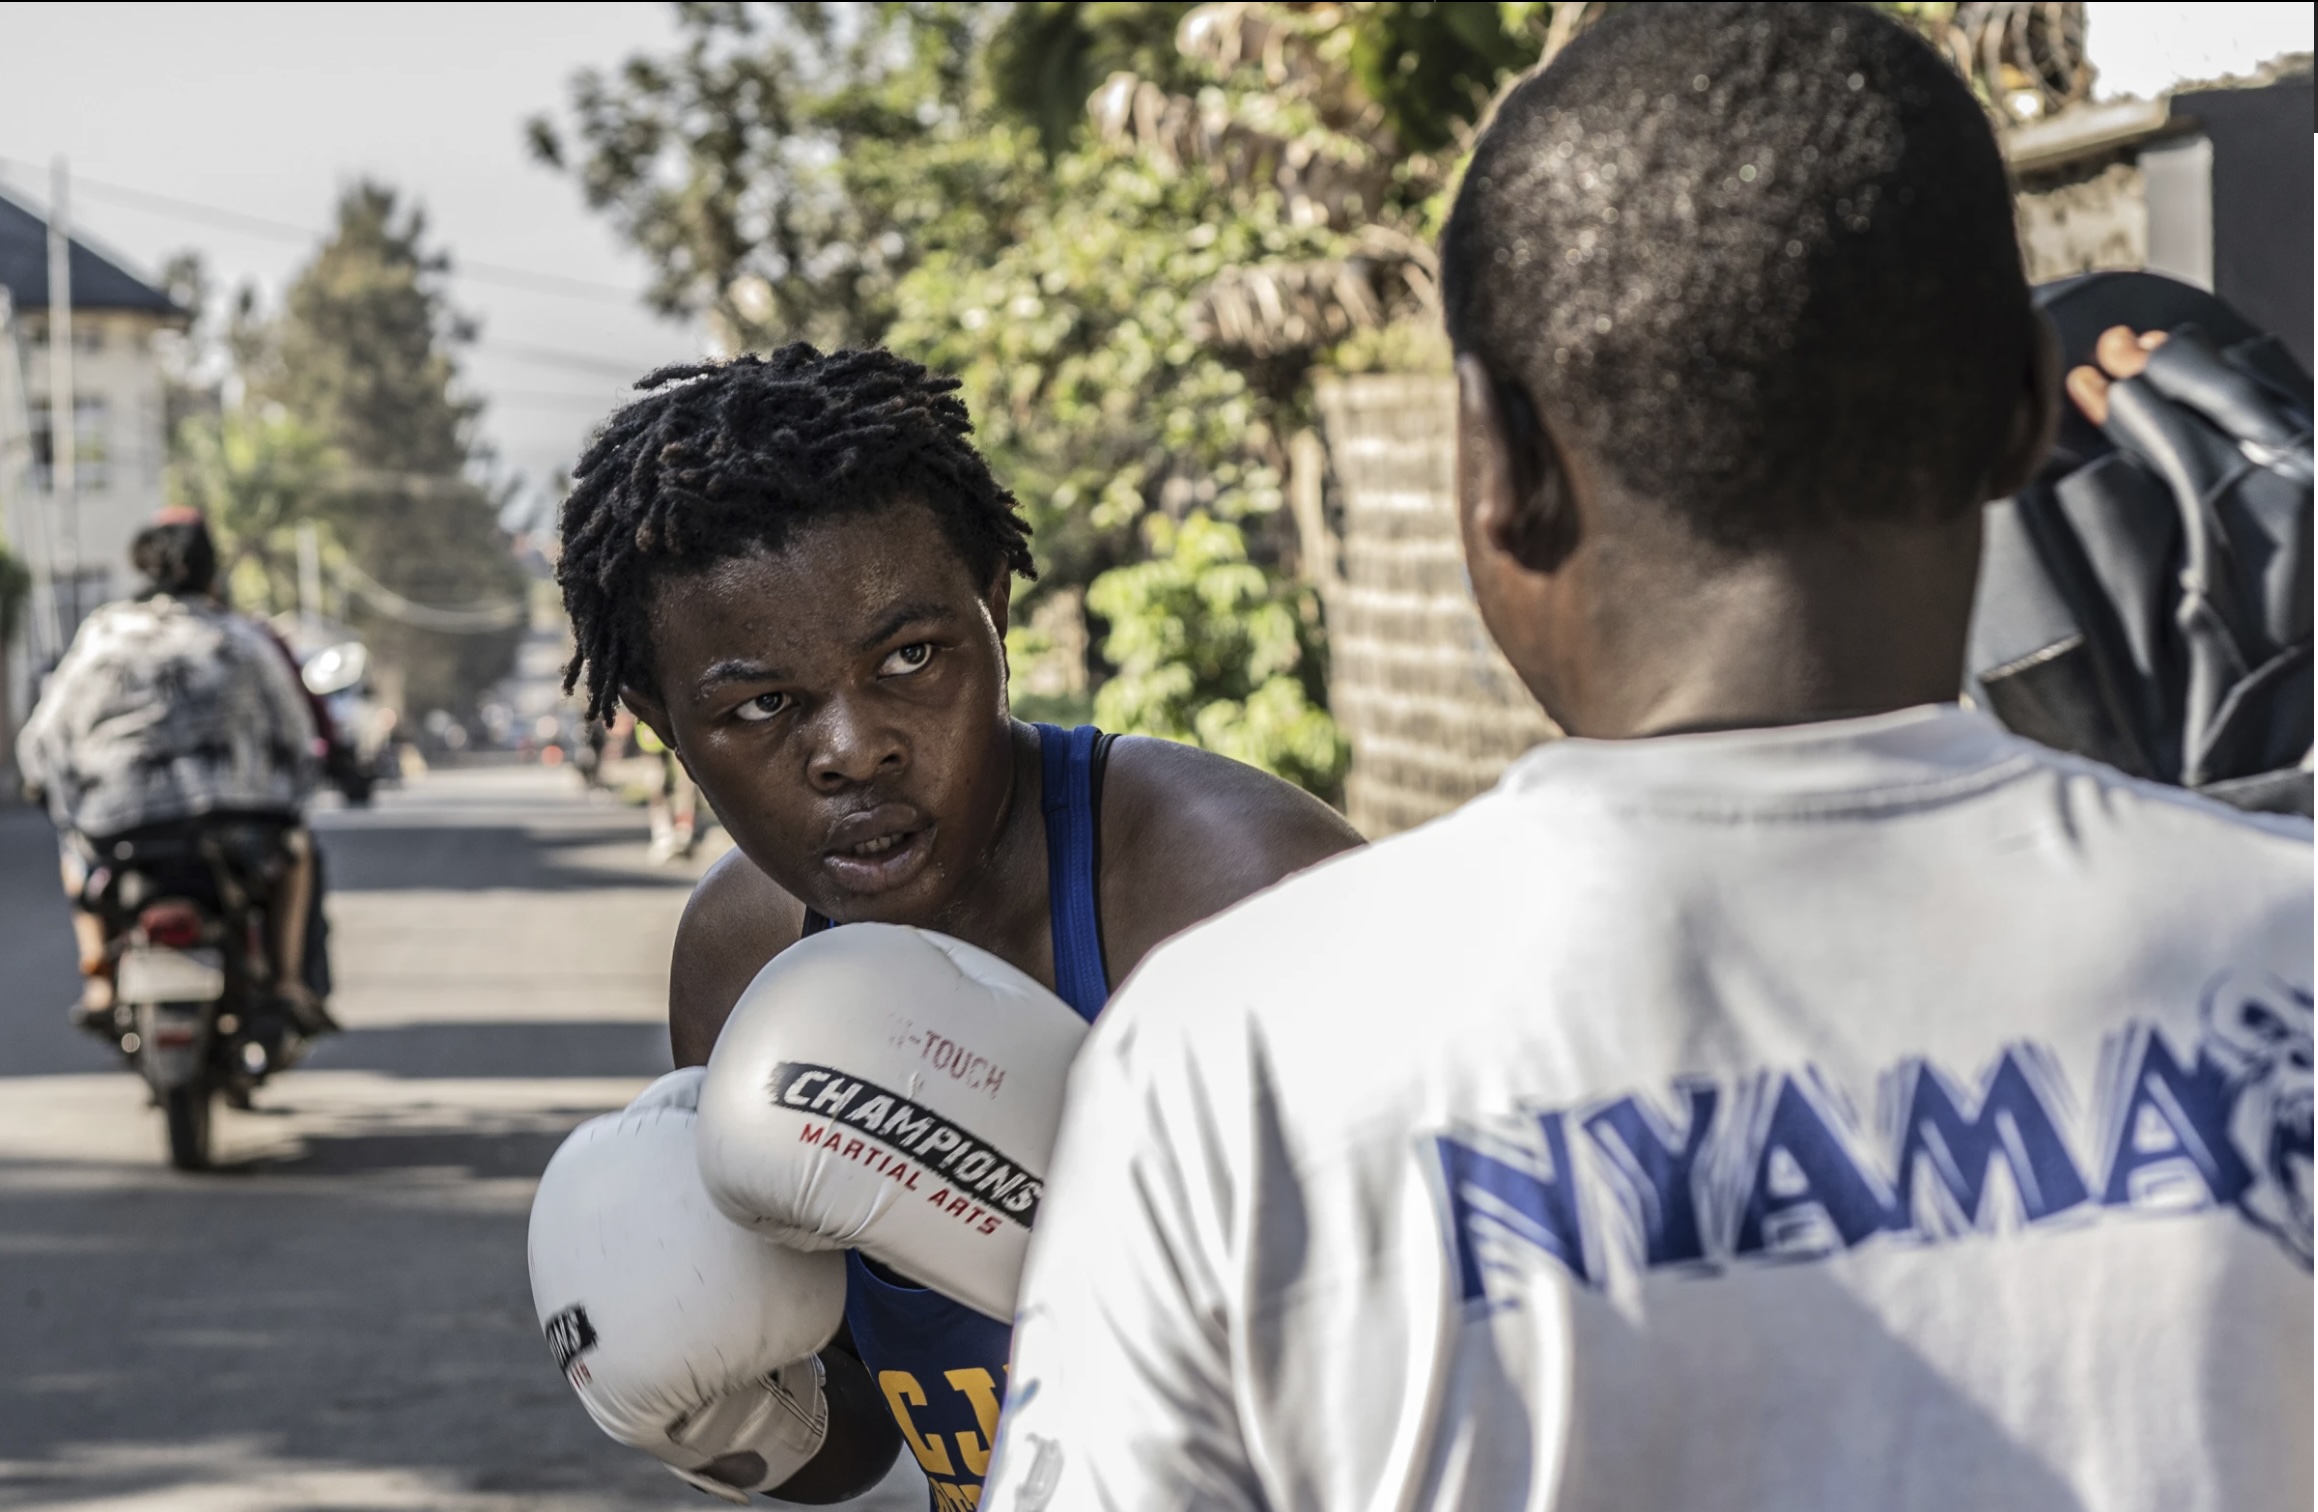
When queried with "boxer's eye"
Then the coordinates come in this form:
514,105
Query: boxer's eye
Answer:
761,708
908,659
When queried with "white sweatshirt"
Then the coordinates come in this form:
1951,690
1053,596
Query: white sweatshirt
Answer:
1879,1114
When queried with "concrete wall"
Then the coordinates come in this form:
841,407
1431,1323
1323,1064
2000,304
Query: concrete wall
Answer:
2094,220
1432,710
2212,187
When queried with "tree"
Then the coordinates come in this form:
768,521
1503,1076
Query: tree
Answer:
256,472
1140,348
360,360
1132,230
756,164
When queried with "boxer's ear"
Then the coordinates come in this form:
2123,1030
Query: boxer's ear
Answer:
999,600
1513,489
650,712
2035,413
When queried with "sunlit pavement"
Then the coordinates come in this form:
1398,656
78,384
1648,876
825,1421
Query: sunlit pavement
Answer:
339,1317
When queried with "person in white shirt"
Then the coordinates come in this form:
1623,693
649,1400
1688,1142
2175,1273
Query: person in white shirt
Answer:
1791,1091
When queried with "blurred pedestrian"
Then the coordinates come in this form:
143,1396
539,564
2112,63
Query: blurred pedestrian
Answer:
1791,1091
672,801
588,754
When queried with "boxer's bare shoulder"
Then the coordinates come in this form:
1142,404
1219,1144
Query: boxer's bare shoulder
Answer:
737,920
1187,833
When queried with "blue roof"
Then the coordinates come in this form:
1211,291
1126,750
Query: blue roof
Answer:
98,283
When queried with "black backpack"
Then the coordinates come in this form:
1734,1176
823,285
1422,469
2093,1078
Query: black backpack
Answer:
2146,601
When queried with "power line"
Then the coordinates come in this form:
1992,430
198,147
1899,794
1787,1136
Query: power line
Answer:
477,619
611,367
542,396
433,484
258,225
285,231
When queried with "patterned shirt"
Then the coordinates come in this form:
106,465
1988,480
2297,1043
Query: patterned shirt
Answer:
166,708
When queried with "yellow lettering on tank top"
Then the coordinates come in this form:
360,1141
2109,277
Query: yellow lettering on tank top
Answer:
902,1392
949,1496
983,1393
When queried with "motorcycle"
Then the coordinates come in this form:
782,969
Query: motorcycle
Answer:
188,912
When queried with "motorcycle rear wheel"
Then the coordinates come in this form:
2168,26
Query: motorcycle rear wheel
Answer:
186,1109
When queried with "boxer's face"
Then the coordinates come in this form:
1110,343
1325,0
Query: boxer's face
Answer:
842,703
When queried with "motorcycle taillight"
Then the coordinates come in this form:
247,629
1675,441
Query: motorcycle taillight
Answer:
176,925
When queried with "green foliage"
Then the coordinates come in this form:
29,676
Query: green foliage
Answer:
1211,650
785,165
256,473
1079,349
1133,289
1432,67
1082,363
1046,56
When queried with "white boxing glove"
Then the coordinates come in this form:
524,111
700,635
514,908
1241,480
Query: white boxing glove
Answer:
895,1091
685,1335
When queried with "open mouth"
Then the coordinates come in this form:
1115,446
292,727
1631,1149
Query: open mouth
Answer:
881,852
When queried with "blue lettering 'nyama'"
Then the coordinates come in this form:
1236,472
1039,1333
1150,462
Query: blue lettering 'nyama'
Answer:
1770,1167
1945,1158
1657,1171
1540,1210
2171,1127
1808,1195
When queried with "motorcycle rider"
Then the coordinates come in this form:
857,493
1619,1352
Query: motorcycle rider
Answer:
169,710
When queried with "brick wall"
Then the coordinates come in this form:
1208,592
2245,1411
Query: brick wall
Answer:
1432,710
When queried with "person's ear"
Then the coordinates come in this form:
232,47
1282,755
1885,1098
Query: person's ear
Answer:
650,712
1513,489
999,600
2035,413
1484,467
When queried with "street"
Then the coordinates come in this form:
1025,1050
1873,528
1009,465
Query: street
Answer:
339,1317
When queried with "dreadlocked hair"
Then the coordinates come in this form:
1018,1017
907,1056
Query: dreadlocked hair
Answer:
722,459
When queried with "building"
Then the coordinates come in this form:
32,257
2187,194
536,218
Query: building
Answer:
76,545
2209,185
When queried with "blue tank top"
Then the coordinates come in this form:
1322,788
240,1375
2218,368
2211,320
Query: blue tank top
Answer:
942,1365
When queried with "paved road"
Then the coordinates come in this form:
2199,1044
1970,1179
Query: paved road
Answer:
337,1320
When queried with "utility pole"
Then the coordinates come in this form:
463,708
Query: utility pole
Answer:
63,415
20,505
309,579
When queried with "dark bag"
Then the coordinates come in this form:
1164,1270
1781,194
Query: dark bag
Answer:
2146,601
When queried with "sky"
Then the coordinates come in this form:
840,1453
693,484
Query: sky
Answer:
2143,49
270,110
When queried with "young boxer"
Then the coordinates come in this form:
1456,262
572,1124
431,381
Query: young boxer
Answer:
796,570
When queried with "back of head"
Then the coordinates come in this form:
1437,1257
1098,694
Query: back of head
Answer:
176,555
1756,262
